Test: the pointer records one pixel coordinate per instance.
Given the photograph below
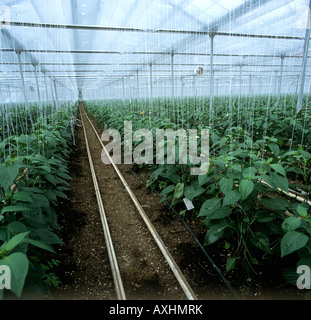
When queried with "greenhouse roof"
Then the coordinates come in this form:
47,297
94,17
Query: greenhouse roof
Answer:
94,43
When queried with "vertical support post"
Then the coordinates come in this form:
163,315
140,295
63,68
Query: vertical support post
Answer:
281,77
297,85
277,79
22,77
250,85
37,84
151,81
10,95
131,93
123,89
304,62
182,87
194,86
172,76
56,94
137,84
211,93
46,87
240,91
52,90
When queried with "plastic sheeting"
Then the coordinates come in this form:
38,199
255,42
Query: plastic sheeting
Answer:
112,58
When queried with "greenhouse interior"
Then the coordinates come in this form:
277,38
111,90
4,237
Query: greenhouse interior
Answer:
100,196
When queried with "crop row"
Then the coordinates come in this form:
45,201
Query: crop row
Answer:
34,176
259,151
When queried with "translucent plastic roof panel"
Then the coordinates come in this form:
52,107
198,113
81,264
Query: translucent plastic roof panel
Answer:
97,43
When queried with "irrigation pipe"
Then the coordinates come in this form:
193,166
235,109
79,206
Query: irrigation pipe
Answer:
291,194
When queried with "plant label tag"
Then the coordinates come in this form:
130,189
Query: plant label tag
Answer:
188,204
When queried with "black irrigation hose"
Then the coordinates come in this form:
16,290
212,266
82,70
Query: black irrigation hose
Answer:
195,239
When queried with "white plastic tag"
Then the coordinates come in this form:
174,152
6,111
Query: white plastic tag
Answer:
188,204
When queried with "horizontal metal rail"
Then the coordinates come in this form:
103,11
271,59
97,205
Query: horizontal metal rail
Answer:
156,31
152,53
147,64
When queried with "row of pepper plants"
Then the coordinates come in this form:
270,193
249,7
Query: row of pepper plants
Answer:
259,148
34,177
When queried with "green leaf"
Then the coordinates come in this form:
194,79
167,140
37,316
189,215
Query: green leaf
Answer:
246,187
45,236
16,227
197,193
274,148
230,264
45,168
51,179
305,154
302,211
249,173
156,173
209,206
261,241
168,189
8,173
19,265
14,242
282,181
276,181
220,213
231,197
291,224
22,196
279,169
290,275
39,244
236,167
293,241
215,232
275,203
192,193
14,209
225,185
179,190
39,201
60,194
203,178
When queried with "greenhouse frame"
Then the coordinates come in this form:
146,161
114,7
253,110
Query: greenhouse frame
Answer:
76,73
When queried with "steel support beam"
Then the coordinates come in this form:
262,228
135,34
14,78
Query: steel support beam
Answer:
22,78
281,77
211,93
172,77
37,84
304,62
151,81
